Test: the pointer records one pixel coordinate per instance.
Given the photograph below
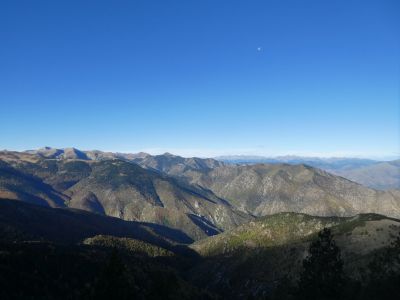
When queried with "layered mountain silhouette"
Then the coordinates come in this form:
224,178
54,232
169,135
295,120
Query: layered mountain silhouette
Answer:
189,227
204,196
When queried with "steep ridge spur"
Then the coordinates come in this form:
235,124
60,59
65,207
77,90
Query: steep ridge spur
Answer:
265,189
118,188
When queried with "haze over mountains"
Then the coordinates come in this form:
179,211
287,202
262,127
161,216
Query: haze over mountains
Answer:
382,175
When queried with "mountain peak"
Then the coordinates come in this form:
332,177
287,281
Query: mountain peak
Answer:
169,154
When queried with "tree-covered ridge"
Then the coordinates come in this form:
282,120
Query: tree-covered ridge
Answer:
279,229
127,244
256,257
39,270
264,255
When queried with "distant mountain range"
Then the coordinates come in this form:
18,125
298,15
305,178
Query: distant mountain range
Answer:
383,175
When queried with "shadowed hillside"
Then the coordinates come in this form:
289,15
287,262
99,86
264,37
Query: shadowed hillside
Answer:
256,258
117,188
23,221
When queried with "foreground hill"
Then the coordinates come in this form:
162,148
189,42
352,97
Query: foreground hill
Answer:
254,258
22,221
373,230
116,188
61,253
54,271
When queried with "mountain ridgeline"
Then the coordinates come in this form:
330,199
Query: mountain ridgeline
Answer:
263,189
267,253
117,188
201,197
383,175
168,227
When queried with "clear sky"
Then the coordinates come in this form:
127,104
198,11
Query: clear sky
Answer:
202,77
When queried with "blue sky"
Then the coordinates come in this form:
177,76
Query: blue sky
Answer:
202,77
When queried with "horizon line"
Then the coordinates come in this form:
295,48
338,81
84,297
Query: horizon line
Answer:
243,153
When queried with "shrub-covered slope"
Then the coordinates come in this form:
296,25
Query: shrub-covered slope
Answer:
116,188
254,258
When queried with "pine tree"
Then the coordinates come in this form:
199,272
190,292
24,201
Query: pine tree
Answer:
114,281
383,275
322,277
